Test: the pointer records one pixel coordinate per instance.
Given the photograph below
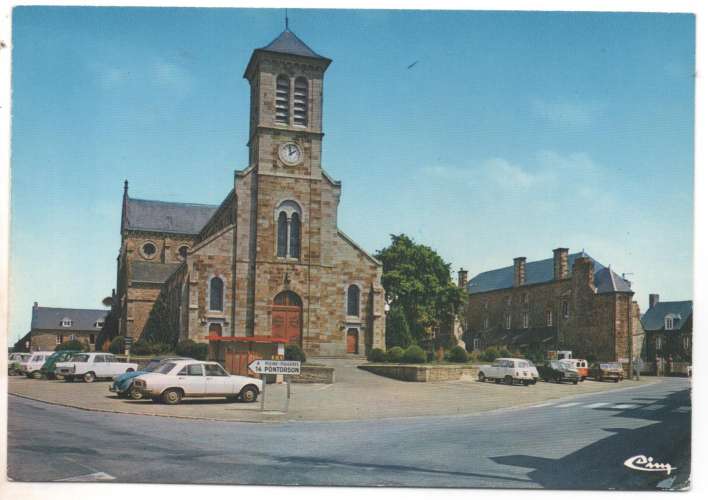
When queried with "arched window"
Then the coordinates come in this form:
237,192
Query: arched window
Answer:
288,220
300,102
216,294
295,236
353,300
282,99
282,234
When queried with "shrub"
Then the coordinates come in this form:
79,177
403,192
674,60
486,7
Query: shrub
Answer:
71,345
473,356
191,349
146,348
489,354
458,355
293,352
377,355
505,353
117,345
394,355
414,354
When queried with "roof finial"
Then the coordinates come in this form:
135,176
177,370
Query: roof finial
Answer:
287,28
125,186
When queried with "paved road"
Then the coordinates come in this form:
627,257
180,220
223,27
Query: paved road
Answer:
578,443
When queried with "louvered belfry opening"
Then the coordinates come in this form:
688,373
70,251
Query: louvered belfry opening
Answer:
282,99
300,102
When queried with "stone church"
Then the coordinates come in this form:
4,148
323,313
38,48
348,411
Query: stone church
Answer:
269,262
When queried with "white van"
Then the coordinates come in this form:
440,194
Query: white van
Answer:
32,366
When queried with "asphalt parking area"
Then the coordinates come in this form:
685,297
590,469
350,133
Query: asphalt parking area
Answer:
356,395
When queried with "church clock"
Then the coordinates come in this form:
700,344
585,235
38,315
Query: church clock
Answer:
290,153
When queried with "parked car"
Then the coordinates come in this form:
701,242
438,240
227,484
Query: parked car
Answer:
15,360
607,371
558,371
123,384
92,365
580,365
33,365
175,380
49,365
509,370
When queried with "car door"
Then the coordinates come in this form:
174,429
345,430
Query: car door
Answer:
191,379
218,382
99,366
113,366
495,371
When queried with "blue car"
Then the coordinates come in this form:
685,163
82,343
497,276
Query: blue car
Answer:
123,384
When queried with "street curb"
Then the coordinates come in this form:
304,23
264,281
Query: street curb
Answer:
185,417
411,417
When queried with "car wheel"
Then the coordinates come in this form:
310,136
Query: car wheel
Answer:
172,396
617,380
249,394
481,377
134,393
526,383
508,380
89,377
69,378
36,375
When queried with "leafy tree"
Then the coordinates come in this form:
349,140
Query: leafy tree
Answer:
417,281
71,345
397,331
109,330
117,345
489,354
161,326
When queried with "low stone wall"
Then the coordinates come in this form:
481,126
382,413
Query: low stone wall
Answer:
314,374
421,373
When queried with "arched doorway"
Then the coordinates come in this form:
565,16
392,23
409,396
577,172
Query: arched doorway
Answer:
287,317
352,341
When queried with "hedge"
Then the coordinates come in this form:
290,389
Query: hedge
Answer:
414,354
377,355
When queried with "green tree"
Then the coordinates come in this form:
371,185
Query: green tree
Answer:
397,331
71,345
161,326
417,280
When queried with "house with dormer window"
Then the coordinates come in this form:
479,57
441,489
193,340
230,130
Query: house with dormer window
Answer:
52,326
669,330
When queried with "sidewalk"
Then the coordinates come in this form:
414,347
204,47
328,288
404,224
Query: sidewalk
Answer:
356,395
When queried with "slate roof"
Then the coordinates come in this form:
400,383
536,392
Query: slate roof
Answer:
288,43
653,319
151,272
541,271
167,217
50,318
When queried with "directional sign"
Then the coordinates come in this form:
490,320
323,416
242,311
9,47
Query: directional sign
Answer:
272,367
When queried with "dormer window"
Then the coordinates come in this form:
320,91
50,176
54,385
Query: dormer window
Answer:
99,323
66,322
671,322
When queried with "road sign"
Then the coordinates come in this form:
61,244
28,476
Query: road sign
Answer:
128,341
272,367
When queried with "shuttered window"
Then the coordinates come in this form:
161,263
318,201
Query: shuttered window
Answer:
282,100
300,102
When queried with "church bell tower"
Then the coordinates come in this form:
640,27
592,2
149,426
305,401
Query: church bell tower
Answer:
285,134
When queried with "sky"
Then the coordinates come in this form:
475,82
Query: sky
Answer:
513,134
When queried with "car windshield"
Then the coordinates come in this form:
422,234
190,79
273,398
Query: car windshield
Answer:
165,368
152,365
610,366
80,358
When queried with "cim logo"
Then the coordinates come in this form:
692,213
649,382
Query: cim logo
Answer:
647,464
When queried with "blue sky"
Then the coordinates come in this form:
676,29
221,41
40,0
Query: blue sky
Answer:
515,133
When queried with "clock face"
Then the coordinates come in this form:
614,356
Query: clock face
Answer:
290,153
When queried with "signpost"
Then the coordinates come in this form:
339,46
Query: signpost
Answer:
274,367
127,343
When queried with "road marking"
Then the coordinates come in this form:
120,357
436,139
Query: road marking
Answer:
567,405
596,405
96,476
328,386
542,405
624,407
682,409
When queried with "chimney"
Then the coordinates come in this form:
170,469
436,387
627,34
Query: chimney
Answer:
653,299
519,271
584,272
36,305
461,278
560,263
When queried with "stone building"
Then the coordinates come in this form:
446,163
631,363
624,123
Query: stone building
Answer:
668,328
566,302
52,326
269,261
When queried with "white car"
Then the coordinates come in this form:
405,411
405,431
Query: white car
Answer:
509,370
32,366
14,361
92,365
175,380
